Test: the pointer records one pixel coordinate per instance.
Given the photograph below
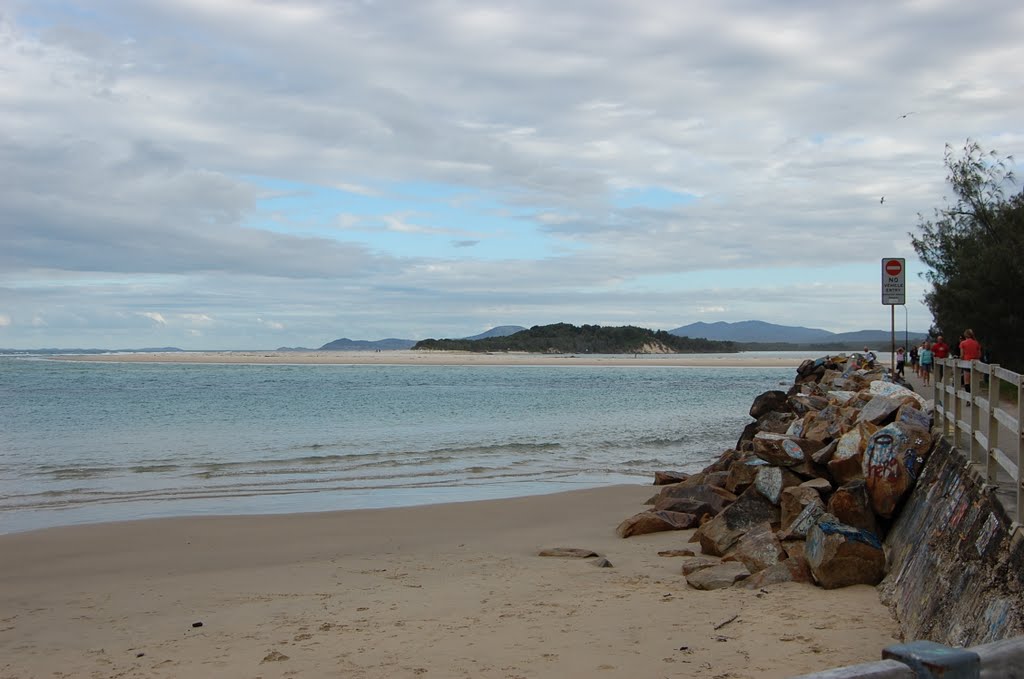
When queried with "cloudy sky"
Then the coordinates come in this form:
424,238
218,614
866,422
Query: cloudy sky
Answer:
218,174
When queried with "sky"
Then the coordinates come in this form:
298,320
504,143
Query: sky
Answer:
255,174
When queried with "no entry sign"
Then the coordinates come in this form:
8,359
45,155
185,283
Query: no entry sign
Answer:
894,288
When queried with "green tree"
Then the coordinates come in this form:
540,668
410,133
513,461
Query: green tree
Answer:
974,249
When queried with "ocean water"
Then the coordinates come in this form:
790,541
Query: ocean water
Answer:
84,442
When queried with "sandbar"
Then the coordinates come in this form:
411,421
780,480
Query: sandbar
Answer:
411,357
446,590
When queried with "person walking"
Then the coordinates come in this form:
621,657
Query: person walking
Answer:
939,350
901,361
925,357
913,360
970,350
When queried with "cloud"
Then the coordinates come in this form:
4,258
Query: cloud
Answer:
273,325
155,317
459,161
5,320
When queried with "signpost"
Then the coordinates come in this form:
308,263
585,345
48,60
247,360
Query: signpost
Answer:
894,293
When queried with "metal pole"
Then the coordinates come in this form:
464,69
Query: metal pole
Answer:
892,332
906,328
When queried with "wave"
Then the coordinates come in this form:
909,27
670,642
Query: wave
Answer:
83,496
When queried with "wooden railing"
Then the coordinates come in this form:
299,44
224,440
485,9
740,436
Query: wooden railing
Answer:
981,424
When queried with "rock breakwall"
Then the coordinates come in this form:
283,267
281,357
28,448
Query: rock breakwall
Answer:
842,481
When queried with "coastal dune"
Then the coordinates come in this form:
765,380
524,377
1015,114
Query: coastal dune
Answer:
448,590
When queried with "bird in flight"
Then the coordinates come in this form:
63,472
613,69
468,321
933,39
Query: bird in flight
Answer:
908,113
881,202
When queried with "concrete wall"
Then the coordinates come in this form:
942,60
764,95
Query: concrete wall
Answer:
955,563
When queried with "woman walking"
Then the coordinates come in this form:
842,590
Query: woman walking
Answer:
925,357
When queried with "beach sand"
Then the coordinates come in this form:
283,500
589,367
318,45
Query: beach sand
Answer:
410,357
448,590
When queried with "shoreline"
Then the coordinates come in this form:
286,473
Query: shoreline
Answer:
446,358
446,590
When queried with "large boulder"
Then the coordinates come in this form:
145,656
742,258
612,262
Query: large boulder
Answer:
827,424
770,482
721,533
779,449
912,415
893,459
767,402
801,404
847,462
804,521
851,505
880,410
743,473
775,422
824,454
704,493
686,505
793,569
841,555
821,485
655,521
692,564
718,577
792,502
841,397
758,549
898,391
667,478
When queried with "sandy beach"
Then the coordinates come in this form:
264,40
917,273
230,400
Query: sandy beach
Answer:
410,357
452,590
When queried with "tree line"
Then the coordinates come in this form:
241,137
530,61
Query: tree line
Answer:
974,249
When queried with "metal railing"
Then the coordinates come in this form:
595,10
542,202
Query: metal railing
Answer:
922,659
981,425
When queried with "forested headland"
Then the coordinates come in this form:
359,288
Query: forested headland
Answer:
564,338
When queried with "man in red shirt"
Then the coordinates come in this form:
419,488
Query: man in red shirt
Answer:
939,350
970,350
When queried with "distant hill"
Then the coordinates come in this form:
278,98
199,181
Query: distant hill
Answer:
346,344
391,344
760,332
500,331
563,338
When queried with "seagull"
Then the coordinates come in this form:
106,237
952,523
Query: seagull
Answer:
908,113
882,201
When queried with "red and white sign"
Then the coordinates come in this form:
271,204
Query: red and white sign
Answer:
894,288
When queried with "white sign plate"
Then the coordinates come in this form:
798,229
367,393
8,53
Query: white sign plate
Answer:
894,277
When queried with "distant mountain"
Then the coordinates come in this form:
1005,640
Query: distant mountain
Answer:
500,331
872,336
760,332
752,331
346,344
